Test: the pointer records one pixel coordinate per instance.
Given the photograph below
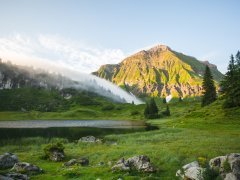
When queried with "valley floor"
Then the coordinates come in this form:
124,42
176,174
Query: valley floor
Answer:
188,134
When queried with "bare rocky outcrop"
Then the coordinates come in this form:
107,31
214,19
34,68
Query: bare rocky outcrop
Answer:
8,160
139,163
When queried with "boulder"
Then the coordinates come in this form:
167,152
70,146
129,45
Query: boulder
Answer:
24,167
191,171
8,160
228,166
89,139
121,165
81,161
57,156
140,163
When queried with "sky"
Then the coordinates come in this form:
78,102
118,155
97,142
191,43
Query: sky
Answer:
85,34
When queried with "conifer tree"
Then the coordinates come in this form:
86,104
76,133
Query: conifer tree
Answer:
164,100
146,111
231,83
209,89
153,109
167,112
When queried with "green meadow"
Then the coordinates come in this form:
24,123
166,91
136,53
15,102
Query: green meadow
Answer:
190,133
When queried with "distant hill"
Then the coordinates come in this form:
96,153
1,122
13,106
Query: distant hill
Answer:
27,88
159,71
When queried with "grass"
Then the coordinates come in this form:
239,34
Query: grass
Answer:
189,134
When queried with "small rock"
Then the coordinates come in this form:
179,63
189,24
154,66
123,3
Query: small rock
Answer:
101,163
191,171
89,139
17,176
57,156
232,176
5,178
71,162
109,163
81,161
8,160
140,163
24,167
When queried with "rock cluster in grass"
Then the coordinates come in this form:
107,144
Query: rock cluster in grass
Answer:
226,167
89,139
20,170
139,163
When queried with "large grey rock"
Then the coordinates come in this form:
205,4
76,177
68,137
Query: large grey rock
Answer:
89,139
8,160
140,163
57,156
81,161
191,171
121,165
229,161
24,167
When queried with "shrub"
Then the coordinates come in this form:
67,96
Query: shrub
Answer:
53,147
108,107
226,166
135,112
211,174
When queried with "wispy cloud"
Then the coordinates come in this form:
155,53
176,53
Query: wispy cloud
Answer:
53,49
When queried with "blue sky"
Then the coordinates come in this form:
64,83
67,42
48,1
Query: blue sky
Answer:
88,33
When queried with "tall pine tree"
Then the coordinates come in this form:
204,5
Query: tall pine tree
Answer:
231,83
151,109
209,89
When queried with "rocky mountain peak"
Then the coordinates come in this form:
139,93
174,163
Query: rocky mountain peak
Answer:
159,47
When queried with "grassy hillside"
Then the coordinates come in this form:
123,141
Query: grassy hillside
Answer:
190,133
39,103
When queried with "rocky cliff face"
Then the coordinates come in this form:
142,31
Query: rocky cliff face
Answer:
159,71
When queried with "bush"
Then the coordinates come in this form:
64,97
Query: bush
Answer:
211,174
226,166
135,112
53,147
108,107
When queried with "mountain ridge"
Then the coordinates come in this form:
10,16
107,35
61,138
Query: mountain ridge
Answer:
159,71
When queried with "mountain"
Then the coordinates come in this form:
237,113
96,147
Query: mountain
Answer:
159,71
